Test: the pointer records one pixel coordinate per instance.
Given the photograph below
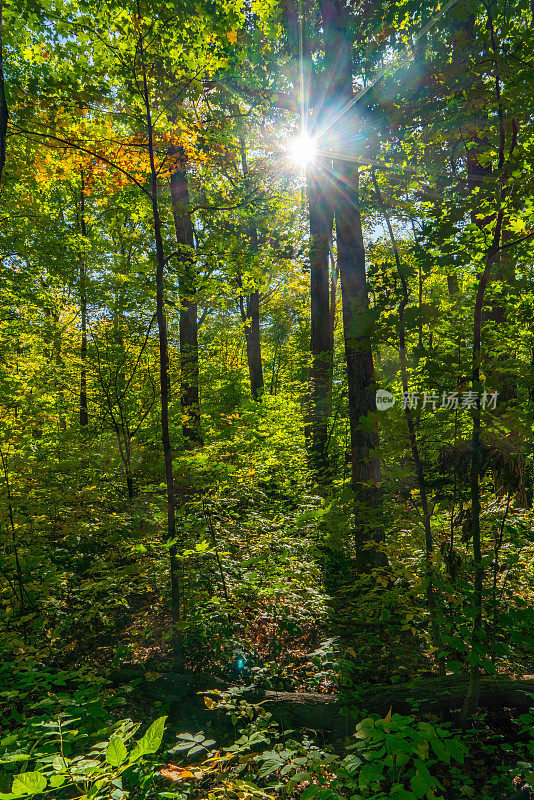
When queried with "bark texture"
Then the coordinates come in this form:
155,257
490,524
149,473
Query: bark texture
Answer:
437,696
84,415
366,473
250,313
190,392
4,114
163,364
321,342
313,90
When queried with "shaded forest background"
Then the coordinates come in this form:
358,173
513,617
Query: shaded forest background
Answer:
225,226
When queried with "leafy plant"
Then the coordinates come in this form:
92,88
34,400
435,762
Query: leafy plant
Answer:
394,758
192,745
95,775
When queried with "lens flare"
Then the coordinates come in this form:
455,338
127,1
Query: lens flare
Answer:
303,150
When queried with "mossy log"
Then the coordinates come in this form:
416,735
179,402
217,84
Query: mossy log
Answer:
323,712
441,696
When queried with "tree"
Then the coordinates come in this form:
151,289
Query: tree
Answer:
189,371
84,416
3,104
366,473
251,314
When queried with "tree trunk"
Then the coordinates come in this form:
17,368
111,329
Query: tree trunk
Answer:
321,217
163,368
452,285
252,315
189,394
366,473
334,276
321,213
252,336
84,417
4,114
472,698
321,220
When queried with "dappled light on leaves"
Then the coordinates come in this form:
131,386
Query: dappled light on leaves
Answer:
266,400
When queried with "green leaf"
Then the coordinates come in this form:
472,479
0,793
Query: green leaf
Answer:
398,792
370,773
181,747
196,749
457,750
85,766
420,784
116,752
59,763
27,783
150,741
441,751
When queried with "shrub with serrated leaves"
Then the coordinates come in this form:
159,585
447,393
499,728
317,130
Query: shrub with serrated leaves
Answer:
47,757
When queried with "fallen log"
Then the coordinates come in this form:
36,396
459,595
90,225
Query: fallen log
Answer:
329,712
441,696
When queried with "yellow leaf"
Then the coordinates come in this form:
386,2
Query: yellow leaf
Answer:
232,36
174,773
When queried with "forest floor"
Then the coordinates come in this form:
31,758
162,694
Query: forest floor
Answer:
281,630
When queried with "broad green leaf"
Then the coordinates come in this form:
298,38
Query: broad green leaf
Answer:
296,779
28,783
59,763
150,741
457,750
116,752
85,767
420,784
441,751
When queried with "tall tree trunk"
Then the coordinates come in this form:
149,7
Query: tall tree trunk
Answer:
321,217
4,114
252,314
59,364
189,394
84,417
321,213
321,220
253,340
334,277
163,366
366,473
452,285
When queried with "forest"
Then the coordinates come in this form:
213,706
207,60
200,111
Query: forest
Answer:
267,399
